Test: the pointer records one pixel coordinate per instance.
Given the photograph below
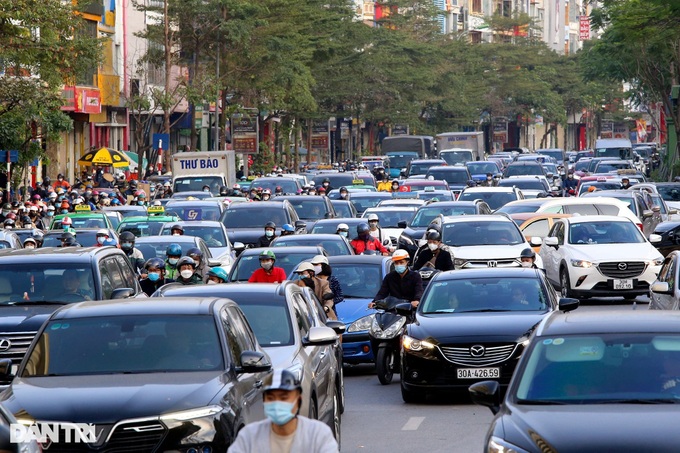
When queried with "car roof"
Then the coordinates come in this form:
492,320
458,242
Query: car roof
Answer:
506,189
284,250
206,223
192,203
489,272
597,218
166,239
616,321
450,168
357,259
141,307
55,254
612,193
226,290
521,163
357,195
347,220
477,218
329,236
376,209
582,200
522,216
257,205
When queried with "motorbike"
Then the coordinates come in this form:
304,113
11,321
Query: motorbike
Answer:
385,335
427,274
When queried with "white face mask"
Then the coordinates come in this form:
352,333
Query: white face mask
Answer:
101,239
433,247
526,263
211,282
29,246
266,266
186,273
317,269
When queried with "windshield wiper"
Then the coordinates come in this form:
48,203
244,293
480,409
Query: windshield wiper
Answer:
641,401
484,310
547,402
39,302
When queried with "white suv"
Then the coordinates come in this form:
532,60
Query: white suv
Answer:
600,255
479,241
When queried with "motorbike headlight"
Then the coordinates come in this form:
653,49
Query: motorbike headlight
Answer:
413,344
191,414
361,324
581,263
498,445
376,330
459,262
394,329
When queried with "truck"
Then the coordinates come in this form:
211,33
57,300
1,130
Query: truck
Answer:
616,148
191,171
473,141
402,149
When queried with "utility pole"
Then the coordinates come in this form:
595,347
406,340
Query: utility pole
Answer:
167,53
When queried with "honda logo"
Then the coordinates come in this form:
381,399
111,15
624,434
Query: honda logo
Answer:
492,263
477,350
5,344
622,266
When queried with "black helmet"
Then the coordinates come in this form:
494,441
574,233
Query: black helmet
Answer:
66,235
269,225
527,253
177,226
70,242
283,379
154,263
186,260
195,251
224,190
343,189
126,236
433,236
362,228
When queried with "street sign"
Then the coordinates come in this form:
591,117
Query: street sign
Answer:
161,141
245,131
584,28
13,156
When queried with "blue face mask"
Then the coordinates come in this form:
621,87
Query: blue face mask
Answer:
64,211
50,213
343,233
400,268
65,226
154,276
279,412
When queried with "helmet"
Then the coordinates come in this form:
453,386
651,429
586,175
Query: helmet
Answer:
194,251
70,242
278,189
269,225
372,217
592,189
267,255
37,197
177,226
186,260
319,259
266,192
304,266
66,221
25,219
126,236
174,250
154,263
362,228
60,176
343,226
115,201
13,216
8,223
103,232
527,253
283,379
218,272
223,190
399,255
434,236
66,235
288,227
343,189
326,180
29,239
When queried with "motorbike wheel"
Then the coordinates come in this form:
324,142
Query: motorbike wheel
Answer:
384,365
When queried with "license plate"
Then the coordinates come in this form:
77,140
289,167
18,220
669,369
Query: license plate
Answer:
623,284
14,369
479,373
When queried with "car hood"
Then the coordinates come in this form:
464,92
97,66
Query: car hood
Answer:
110,398
614,252
468,327
24,318
351,309
281,356
614,427
482,252
393,232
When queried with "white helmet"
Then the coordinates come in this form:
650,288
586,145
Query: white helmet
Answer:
343,226
399,255
372,217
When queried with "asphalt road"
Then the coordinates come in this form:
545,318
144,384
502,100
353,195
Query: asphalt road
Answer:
377,420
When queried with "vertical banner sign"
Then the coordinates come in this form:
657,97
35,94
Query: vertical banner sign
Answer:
584,28
320,137
244,131
607,130
621,130
500,130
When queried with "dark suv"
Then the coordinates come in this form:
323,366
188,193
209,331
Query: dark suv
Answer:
245,221
34,283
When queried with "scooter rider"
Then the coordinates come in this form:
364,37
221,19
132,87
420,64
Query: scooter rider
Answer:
437,256
570,184
364,241
402,282
528,258
269,235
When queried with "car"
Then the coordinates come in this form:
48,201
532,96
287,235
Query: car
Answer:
245,221
636,202
420,166
336,179
148,225
10,240
213,233
590,206
524,168
472,325
430,194
390,218
479,241
534,225
190,194
156,246
310,208
32,286
334,244
175,375
344,208
478,169
114,217
600,255
605,376
664,293
670,192
365,200
670,237
330,226
11,438
521,206
289,186
86,237
495,197
414,231
557,154
287,258
597,183
84,219
606,166
25,233
290,330
455,176
191,210
423,185
403,202
531,186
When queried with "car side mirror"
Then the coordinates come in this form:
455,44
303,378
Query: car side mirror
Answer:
672,211
213,262
253,362
402,173
122,293
401,224
655,238
404,309
550,241
656,209
566,304
661,288
535,241
320,336
486,393
646,214
299,224
238,246
338,327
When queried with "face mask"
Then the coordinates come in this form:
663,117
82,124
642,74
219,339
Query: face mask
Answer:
279,412
65,226
88,192
343,195
101,240
50,213
433,247
173,261
317,269
325,184
526,263
343,233
154,276
266,266
126,245
176,234
206,190
269,233
400,268
265,197
5,213
395,187
186,273
140,203
64,211
570,176
211,282
373,225
489,178
30,246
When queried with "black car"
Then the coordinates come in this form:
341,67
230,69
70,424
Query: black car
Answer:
179,375
287,258
670,236
290,186
591,382
524,168
86,237
415,229
245,221
310,208
473,325
456,176
420,166
33,285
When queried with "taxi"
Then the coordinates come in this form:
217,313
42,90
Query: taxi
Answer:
362,184
83,217
148,225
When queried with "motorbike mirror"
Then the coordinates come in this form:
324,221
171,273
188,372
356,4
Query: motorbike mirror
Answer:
404,309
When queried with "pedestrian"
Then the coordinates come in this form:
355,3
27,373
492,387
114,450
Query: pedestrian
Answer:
267,272
284,430
154,269
186,267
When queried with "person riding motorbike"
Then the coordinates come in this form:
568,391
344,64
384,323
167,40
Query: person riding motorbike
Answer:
269,235
401,283
437,256
365,242
570,184
528,258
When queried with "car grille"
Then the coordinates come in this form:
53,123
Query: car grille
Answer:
17,346
492,354
473,264
130,437
622,269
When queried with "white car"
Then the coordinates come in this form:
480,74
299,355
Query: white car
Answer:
600,255
479,241
590,206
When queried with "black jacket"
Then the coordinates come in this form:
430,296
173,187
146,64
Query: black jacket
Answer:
264,241
150,287
409,287
443,262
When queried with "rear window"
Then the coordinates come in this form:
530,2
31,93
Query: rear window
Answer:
254,218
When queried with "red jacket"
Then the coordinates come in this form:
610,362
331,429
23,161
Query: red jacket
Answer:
360,246
261,276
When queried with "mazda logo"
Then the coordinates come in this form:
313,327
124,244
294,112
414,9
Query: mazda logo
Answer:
5,344
477,350
623,266
492,263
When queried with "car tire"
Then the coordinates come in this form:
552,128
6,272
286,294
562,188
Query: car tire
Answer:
340,391
336,428
385,362
412,396
565,284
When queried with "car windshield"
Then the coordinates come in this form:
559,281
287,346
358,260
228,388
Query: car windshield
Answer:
333,246
524,184
360,281
458,177
461,234
247,264
86,238
213,236
195,184
421,168
519,170
337,180
431,195
590,233
254,218
644,152
363,202
126,344
669,193
456,157
83,222
481,295
46,282
269,320
189,213
424,216
390,219
606,168
494,199
309,208
520,207
479,168
141,228
155,249
286,185
600,369
342,210
582,165
399,161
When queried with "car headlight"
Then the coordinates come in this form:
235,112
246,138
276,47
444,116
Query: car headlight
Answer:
498,445
459,262
581,263
414,344
361,324
191,414
657,262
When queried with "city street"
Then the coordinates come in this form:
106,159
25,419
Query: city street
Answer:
377,420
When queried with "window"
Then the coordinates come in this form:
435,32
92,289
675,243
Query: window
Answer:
128,276
107,285
667,273
539,228
235,344
476,6
87,74
115,274
301,317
